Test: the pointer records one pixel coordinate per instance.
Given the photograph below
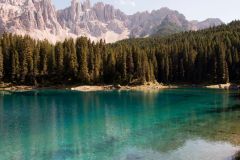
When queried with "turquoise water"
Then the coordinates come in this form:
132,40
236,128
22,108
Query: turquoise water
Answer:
181,124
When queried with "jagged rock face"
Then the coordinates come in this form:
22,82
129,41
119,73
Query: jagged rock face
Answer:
211,22
106,13
25,16
96,21
39,19
13,2
47,13
143,23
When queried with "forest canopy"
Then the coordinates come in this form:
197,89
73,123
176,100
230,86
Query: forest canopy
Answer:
207,56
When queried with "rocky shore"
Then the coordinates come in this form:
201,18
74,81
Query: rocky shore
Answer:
12,87
224,86
150,86
91,88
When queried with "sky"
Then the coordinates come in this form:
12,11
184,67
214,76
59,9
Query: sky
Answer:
226,10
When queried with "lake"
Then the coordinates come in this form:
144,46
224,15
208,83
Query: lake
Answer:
177,124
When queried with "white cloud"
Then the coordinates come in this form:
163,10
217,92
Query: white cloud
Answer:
127,2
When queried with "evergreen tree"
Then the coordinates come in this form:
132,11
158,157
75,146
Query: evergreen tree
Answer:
25,58
97,65
222,69
59,52
73,64
36,61
52,62
81,48
44,47
14,65
1,64
206,56
130,66
122,66
6,56
91,61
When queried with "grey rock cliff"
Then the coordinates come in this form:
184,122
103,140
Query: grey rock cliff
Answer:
40,19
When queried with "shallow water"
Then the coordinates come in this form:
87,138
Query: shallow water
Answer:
181,124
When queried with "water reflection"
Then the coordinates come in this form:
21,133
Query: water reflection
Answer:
170,124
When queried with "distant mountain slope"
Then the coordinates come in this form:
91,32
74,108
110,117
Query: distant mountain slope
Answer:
40,20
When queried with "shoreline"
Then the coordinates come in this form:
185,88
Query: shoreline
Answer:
91,88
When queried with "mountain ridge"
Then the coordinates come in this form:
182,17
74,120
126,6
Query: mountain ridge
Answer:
40,20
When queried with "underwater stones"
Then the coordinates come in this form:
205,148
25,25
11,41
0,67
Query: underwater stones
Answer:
62,154
233,108
134,157
106,143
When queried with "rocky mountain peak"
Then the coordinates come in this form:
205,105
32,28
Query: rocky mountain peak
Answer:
86,5
13,2
40,19
75,10
210,22
106,12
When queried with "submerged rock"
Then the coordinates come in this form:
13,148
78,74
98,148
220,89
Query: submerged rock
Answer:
62,154
233,108
106,144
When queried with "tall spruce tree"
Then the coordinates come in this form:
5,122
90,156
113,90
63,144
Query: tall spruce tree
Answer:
6,56
36,61
14,65
25,58
43,67
73,64
82,53
97,64
110,68
130,65
59,55
1,65
222,68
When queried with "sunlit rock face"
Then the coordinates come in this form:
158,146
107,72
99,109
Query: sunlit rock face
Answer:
93,21
37,18
40,20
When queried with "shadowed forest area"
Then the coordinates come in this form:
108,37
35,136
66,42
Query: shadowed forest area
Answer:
208,56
